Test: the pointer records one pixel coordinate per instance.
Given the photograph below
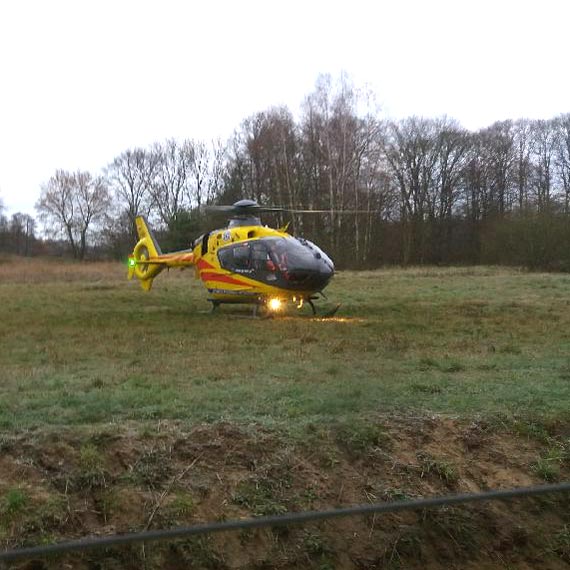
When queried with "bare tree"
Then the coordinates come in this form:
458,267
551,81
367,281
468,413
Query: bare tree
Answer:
129,177
206,170
453,144
92,198
21,231
71,203
522,164
169,186
342,166
218,170
376,193
3,227
197,178
498,144
474,183
56,207
412,153
563,157
331,126
544,142
262,161
494,177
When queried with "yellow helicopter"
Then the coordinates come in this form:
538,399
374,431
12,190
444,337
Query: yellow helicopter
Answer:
245,262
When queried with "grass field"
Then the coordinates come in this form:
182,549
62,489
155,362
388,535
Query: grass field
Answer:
89,347
124,410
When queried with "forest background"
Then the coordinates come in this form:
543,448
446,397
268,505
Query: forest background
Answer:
427,190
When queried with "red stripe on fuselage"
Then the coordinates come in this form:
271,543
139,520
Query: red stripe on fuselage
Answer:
203,264
222,279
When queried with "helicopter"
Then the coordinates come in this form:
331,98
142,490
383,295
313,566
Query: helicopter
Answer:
245,262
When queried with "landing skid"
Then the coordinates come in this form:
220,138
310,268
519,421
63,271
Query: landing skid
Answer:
310,301
332,312
255,307
328,314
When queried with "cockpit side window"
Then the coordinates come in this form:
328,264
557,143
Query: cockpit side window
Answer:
254,258
242,254
259,255
236,257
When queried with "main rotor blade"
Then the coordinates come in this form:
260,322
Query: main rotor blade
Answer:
242,210
333,211
220,209
256,209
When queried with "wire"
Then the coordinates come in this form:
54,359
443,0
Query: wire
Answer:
280,520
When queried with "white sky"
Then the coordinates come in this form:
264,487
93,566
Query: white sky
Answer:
81,81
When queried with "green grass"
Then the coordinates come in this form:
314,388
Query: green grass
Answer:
14,501
468,342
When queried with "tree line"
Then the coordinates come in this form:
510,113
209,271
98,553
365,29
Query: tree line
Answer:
424,190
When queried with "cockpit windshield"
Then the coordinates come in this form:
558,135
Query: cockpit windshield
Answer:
283,261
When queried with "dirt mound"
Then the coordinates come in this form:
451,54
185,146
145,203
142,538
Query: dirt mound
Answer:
74,483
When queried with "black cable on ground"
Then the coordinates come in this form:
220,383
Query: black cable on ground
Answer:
280,520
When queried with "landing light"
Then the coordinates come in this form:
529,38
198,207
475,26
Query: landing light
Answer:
275,304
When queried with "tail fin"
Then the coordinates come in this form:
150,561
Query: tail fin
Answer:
144,233
146,251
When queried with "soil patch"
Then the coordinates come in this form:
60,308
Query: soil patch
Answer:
68,483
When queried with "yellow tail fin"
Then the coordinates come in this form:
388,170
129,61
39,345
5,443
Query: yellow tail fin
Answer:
144,233
141,261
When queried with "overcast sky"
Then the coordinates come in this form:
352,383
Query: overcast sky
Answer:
82,81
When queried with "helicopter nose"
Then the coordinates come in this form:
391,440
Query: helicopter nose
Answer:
313,277
324,276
